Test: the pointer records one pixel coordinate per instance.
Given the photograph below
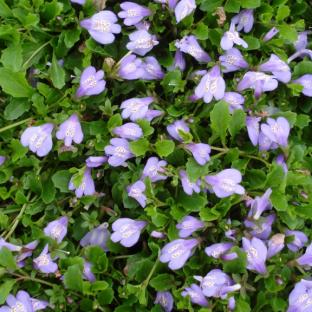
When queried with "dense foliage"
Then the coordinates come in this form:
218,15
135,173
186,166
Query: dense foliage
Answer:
178,133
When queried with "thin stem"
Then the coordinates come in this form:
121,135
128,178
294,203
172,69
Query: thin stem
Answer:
33,279
15,124
256,158
220,149
35,53
145,283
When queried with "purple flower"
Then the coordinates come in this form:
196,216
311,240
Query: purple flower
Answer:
300,298
97,237
9,246
189,225
280,160
232,60
270,34
196,295
226,183
188,186
230,38
95,161
141,42
299,240
39,304
151,69
302,40
259,205
118,152
277,130
217,284
306,82
130,131
165,300
231,303
81,2
44,263
154,169
135,108
2,160
20,303
306,258
152,113
86,186
277,67
260,82
127,231
38,139
253,129
130,68
190,45
184,8
256,254
262,227
175,128
211,85
235,100
136,191
275,244
91,82
179,61
133,13
26,252
57,229
157,234
244,20
218,250
102,26
200,152
265,143
177,252
70,130
87,272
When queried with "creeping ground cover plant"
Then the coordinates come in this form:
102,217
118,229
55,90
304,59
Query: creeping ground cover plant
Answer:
156,155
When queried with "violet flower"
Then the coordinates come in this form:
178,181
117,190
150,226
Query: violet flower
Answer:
226,183
277,130
188,186
102,26
9,246
177,252
70,130
87,272
135,108
190,45
196,295
306,82
151,69
179,61
232,60
300,298
97,237
175,128
157,234
244,20
91,82
38,139
155,169
277,67
44,263
165,300
141,42
130,68
183,9
265,143
217,284
200,152
188,225
299,240
270,34
152,113
262,227
118,152
130,131
136,191
231,303
81,2
302,40
57,229
2,160
235,100
275,244
306,258
95,161
260,82
20,303
256,254
253,129
232,37
133,13
218,250
39,304
211,85
259,205
86,186
280,160
127,231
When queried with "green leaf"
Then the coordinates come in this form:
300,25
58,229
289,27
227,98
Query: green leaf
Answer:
172,82
163,282
73,278
220,120
275,177
201,31
5,10
232,6
51,10
14,84
253,43
113,122
195,171
283,11
164,148
139,147
7,260
105,297
48,191
61,179
288,32
238,121
71,36
302,121
12,57
250,4
6,287
302,68
210,5
279,201
242,305
16,108
237,265
98,258
192,202
57,73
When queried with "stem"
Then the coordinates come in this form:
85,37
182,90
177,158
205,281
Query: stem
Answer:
35,52
14,124
255,157
33,279
145,283
220,149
